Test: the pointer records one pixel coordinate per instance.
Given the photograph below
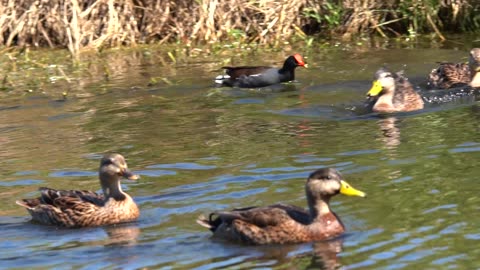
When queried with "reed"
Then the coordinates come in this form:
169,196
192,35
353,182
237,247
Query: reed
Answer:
83,24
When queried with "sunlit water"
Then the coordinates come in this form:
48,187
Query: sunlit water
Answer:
199,149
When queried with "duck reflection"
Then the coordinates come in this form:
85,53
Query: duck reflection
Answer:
323,255
389,126
122,234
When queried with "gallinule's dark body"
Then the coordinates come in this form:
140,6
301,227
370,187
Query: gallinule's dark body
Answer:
251,77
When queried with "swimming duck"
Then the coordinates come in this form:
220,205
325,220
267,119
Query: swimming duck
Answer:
81,208
282,223
450,75
261,76
393,93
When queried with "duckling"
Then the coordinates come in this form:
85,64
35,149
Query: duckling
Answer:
395,93
450,75
282,223
81,208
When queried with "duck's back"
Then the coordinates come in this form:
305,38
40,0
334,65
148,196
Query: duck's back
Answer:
449,75
406,98
75,208
279,224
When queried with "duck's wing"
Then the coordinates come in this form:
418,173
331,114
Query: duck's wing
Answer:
67,208
448,75
62,198
54,197
405,97
272,215
237,72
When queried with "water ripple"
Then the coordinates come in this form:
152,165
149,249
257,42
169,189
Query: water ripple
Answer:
182,165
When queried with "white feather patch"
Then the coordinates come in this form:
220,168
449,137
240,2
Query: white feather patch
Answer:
220,78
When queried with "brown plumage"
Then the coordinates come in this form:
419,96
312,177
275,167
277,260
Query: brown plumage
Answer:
450,75
282,223
394,93
82,208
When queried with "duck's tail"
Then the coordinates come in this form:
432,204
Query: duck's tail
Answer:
221,79
24,203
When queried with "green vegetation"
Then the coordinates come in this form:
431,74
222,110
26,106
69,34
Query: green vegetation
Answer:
84,24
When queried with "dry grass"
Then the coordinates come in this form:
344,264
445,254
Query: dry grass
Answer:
80,24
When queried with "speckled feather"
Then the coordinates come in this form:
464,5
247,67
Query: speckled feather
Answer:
74,208
449,75
279,223
402,97
82,208
406,98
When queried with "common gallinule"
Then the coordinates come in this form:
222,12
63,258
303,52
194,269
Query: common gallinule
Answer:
251,76
449,75
395,93
82,208
283,223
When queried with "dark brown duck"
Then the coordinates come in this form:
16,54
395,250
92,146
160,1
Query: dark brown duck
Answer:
282,223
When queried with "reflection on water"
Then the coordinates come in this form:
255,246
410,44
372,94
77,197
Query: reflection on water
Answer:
390,132
324,255
200,149
122,234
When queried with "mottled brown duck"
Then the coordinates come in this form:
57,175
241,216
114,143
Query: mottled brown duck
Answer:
81,208
393,93
282,223
450,75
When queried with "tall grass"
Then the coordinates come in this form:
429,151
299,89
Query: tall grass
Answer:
79,24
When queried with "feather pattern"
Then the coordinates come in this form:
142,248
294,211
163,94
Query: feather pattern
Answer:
450,75
396,93
283,223
82,208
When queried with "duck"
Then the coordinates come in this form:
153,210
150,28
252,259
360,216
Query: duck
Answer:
392,92
450,75
260,76
282,223
83,208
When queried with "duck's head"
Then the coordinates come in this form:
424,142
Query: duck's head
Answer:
474,63
112,168
474,60
328,182
384,82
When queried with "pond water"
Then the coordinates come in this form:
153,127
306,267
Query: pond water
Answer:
199,148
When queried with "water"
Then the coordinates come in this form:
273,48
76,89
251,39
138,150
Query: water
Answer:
200,149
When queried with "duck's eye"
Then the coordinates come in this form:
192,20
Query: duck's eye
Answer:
107,161
329,177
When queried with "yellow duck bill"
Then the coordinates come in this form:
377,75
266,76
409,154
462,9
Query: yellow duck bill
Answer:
376,89
347,189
